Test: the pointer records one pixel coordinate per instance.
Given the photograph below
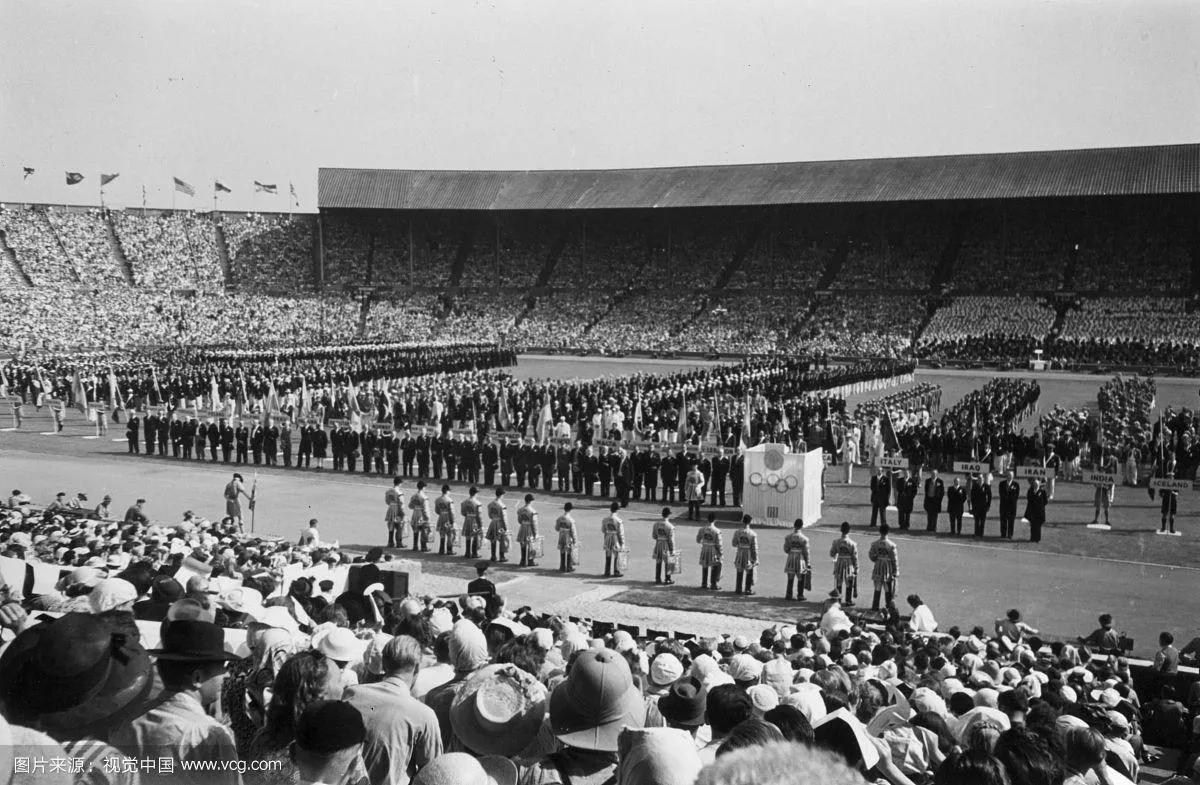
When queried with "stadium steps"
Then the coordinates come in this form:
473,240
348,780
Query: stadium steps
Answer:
223,251
945,266
465,244
45,219
548,267
833,267
10,258
744,246
118,251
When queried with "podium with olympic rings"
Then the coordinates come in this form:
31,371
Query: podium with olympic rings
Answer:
781,486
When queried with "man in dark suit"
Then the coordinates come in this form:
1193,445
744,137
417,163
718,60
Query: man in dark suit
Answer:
720,472
669,468
256,442
227,435
393,453
562,467
605,471
422,452
270,444
623,477
198,432
737,476
164,434
150,427
881,492
242,438
522,457
1035,510
507,453
285,442
981,502
436,448
175,429
451,451
956,502
408,451
131,434
482,587
546,458
907,487
1010,493
650,477
351,444
368,440
591,471
214,440
935,492
489,455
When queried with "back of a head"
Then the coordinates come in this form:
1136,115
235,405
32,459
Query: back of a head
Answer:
779,763
1027,759
1085,748
972,767
791,723
727,706
402,654
751,733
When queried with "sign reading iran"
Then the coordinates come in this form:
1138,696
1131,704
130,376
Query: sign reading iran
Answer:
1043,472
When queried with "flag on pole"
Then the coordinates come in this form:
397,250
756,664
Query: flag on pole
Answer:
157,387
3,384
79,393
74,178
214,392
637,416
272,403
113,395
304,402
503,418
683,420
265,187
105,179
474,415
355,411
220,187
28,171
183,187
241,404
744,439
888,429
295,198
545,420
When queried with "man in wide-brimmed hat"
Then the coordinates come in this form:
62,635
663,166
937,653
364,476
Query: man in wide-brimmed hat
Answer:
587,712
191,664
498,711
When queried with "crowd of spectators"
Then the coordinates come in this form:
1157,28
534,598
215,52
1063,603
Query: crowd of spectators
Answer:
28,231
986,328
641,321
784,258
270,250
864,325
185,643
742,322
558,319
901,258
170,250
1010,251
1130,331
84,237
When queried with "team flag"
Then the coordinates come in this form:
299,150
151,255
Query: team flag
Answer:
183,187
716,421
28,171
503,419
113,395
683,420
271,188
220,187
3,384
637,417
215,393
105,179
743,440
79,393
74,178
545,420
295,198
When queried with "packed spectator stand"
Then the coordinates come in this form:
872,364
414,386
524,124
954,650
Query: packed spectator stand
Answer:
990,288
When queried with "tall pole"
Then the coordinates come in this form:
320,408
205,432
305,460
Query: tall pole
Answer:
411,273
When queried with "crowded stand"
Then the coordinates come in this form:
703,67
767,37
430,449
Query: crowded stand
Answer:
1130,331
511,259
410,317
903,257
1140,253
606,256
800,255
1009,251
558,319
84,237
278,663
862,325
641,321
481,315
269,250
170,250
742,323
28,231
983,328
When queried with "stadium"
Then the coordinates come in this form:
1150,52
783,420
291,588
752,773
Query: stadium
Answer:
445,451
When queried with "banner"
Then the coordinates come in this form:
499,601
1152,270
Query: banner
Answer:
782,486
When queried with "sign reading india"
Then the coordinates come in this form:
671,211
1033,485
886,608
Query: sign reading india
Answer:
889,462
1100,478
1042,472
970,467
1167,484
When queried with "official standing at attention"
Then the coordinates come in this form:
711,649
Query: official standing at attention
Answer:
1010,494
527,530
497,531
419,504
567,539
795,545
694,490
746,558
394,515
663,535
981,501
709,540
613,530
884,555
1035,510
472,528
443,508
881,492
956,502
935,492
844,552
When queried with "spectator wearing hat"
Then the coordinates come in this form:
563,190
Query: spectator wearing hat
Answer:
75,678
795,546
683,705
191,664
499,711
459,768
587,712
329,742
402,734
657,756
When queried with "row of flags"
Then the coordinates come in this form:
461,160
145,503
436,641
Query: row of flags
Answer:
182,186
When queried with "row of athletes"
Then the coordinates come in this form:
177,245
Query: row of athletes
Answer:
798,565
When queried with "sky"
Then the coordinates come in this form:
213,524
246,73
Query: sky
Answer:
238,90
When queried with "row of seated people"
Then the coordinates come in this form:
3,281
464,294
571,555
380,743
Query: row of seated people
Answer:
865,325
170,250
309,679
987,328
905,257
270,250
1130,331
742,322
60,246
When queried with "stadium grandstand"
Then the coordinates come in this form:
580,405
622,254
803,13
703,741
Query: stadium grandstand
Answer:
1089,255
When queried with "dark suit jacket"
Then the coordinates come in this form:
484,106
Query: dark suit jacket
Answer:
934,503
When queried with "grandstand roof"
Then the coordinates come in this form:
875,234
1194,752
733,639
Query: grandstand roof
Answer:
1117,171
